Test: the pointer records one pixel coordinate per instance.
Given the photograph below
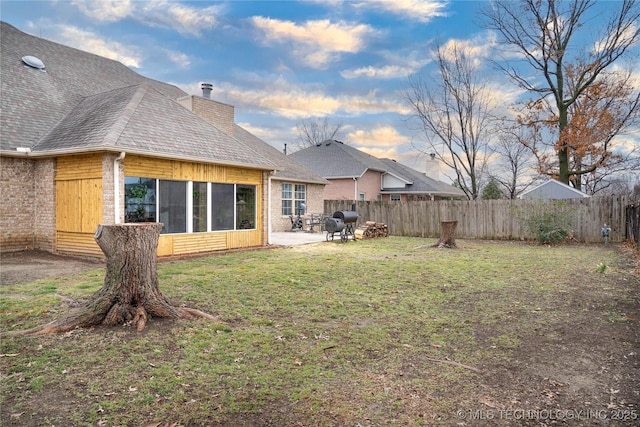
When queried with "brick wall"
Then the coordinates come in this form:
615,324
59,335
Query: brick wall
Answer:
45,204
218,114
27,207
315,204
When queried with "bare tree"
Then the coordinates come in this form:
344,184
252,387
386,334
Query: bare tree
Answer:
314,131
514,170
455,114
570,85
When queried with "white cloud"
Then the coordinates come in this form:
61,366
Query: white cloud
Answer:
179,17
178,58
417,10
381,137
269,94
90,42
153,13
317,43
105,10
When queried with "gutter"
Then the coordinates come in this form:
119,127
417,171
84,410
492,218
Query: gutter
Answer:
26,152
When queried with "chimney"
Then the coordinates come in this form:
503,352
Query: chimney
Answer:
433,167
206,90
285,149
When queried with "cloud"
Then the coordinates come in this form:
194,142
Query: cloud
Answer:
275,95
153,13
416,10
382,136
178,58
90,42
318,42
105,10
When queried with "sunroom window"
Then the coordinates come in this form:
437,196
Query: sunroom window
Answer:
186,206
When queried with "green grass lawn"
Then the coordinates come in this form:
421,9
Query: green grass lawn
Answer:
375,332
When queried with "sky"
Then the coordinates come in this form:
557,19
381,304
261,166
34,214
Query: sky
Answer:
279,62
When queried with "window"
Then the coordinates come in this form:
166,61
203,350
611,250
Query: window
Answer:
287,199
245,207
172,204
222,206
200,200
209,206
361,197
294,199
394,197
140,199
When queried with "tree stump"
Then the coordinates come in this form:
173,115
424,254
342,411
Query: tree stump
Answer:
130,292
447,231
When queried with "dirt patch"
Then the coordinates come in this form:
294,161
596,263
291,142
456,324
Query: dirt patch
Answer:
28,266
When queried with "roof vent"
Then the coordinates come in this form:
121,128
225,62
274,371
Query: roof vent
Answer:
206,89
33,62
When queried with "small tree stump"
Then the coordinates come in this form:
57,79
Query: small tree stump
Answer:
447,231
130,292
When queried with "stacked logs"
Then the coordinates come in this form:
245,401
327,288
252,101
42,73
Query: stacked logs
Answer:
371,229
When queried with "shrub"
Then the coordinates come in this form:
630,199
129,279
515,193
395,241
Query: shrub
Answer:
553,225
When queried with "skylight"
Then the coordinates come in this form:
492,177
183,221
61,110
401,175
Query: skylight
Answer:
33,62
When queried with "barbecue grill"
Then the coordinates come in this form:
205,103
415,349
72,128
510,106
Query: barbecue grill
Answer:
342,222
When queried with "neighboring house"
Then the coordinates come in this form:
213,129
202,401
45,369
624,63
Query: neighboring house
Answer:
553,189
85,141
356,175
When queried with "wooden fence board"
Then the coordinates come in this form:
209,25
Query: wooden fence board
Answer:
490,219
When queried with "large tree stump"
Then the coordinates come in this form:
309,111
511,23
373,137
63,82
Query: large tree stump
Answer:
447,231
130,292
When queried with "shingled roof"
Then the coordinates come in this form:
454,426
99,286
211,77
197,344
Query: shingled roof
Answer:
82,102
334,159
418,182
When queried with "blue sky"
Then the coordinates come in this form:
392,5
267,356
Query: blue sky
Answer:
279,62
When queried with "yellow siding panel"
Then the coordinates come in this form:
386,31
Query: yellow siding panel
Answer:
199,242
165,245
244,176
77,244
147,167
244,239
68,206
91,202
79,167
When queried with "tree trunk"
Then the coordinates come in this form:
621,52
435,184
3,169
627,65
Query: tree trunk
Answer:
130,292
447,231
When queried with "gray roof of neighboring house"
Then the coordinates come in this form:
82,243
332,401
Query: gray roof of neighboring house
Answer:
553,189
420,183
293,171
334,159
83,102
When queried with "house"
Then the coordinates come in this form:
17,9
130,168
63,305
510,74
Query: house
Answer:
356,175
290,187
553,189
85,141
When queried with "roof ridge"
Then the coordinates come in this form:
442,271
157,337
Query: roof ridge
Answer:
122,120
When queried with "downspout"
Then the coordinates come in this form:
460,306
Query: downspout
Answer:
355,188
116,186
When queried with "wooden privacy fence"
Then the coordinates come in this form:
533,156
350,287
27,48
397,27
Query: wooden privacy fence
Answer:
491,219
633,222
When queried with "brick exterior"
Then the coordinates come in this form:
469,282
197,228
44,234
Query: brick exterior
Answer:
108,205
220,115
27,210
315,204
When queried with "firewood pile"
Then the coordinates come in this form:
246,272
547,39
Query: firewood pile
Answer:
372,229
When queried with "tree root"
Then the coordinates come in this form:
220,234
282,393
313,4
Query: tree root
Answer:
115,314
